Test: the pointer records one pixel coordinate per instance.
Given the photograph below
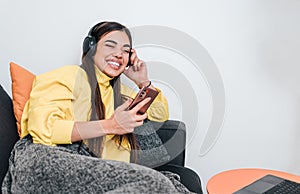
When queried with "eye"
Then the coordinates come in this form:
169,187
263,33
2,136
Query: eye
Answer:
126,51
109,45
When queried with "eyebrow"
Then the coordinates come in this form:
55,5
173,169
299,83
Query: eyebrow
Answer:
114,42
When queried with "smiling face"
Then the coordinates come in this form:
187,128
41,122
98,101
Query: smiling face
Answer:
112,53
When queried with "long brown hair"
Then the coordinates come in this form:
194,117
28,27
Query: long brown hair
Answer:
98,108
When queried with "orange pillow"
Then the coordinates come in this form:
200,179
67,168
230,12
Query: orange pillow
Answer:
22,81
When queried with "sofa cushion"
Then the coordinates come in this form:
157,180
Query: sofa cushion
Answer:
8,131
22,81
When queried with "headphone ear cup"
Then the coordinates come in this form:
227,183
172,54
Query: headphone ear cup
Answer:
88,44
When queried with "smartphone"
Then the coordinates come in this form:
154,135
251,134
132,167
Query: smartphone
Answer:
129,62
141,95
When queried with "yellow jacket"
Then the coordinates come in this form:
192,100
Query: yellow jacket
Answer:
63,96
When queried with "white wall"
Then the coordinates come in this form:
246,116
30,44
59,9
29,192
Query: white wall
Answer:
254,43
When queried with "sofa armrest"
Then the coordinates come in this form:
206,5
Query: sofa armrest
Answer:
173,135
188,177
8,131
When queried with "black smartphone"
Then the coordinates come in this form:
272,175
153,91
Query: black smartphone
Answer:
141,95
129,62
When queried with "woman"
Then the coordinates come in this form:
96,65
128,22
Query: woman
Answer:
71,105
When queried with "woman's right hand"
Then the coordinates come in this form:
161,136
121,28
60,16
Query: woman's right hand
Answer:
124,121
121,122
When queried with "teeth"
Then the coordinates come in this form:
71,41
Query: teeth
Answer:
114,63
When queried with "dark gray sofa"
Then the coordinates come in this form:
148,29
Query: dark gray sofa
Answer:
172,133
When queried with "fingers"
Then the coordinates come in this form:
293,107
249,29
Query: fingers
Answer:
125,104
138,65
135,61
141,118
141,104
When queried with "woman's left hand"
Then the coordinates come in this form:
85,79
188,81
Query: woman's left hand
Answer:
138,71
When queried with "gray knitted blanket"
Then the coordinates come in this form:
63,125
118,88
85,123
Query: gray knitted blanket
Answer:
36,168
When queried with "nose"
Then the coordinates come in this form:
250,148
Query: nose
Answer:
117,54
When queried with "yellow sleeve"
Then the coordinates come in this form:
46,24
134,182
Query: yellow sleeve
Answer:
49,113
159,109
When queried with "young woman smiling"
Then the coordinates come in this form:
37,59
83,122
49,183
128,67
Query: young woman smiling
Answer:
77,136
